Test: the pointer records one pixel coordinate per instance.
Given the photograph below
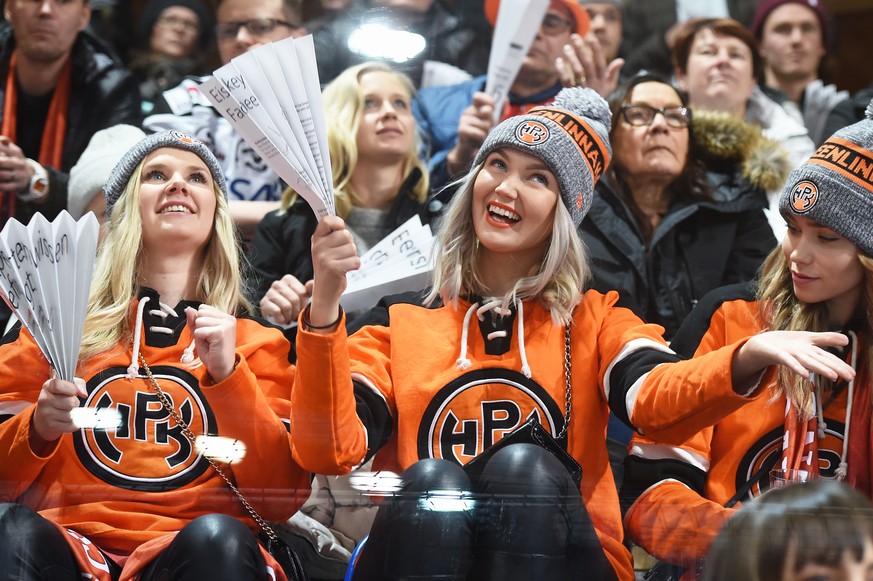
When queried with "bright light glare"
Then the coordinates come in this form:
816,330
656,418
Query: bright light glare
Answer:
220,449
381,483
376,41
96,418
446,501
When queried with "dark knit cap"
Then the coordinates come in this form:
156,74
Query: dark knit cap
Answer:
121,174
834,187
571,136
153,10
765,7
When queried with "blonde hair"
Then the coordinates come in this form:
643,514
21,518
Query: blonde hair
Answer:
558,283
343,106
781,310
117,271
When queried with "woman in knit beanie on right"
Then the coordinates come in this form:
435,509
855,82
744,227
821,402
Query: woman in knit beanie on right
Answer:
509,333
819,279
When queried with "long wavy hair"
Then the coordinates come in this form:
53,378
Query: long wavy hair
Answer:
117,270
781,310
343,107
558,283
690,185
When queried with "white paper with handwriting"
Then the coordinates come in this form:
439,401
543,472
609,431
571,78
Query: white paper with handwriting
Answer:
45,278
271,95
400,262
514,32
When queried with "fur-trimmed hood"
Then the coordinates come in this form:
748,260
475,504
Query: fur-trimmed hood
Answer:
723,138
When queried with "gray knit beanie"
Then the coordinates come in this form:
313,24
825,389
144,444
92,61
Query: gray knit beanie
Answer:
834,187
121,174
571,136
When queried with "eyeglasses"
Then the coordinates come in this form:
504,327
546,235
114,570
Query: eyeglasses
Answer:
174,21
554,25
644,115
255,27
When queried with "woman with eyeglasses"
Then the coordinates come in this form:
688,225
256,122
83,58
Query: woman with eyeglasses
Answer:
174,36
680,211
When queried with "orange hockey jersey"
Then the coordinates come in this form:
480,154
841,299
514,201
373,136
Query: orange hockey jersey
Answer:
681,491
398,382
140,479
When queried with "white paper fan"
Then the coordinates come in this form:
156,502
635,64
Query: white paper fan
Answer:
45,278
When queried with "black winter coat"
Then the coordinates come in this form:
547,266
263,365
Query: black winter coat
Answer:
696,247
103,93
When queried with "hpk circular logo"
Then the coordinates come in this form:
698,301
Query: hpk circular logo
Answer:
532,132
145,449
803,197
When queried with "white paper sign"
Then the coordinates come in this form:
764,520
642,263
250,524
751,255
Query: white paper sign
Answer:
514,32
272,97
45,278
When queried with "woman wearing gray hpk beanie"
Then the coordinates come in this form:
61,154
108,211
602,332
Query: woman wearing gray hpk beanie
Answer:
163,316
509,334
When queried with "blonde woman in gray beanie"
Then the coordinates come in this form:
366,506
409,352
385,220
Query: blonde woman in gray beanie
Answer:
819,279
165,340
509,334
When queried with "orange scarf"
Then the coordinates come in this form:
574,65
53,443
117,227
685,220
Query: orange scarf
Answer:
51,147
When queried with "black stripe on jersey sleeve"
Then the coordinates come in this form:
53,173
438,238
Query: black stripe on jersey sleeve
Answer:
688,337
642,473
627,371
375,415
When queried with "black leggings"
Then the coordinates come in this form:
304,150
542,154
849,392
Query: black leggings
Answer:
527,521
214,546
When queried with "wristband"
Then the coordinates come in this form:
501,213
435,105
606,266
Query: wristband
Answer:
309,325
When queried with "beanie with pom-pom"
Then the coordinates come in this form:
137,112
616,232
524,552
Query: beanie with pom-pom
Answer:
834,187
571,136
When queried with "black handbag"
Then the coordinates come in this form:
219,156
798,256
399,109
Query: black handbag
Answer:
279,549
532,432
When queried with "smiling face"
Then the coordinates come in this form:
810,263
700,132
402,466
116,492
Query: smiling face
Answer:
515,196
824,267
719,74
657,152
386,132
177,200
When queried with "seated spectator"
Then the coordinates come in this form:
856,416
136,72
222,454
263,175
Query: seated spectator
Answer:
507,335
379,182
403,33
678,213
165,316
58,90
607,25
456,119
174,37
89,175
651,27
820,278
253,189
793,36
718,64
818,530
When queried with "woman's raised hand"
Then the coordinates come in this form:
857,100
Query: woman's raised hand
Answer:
333,255
215,339
52,417
801,351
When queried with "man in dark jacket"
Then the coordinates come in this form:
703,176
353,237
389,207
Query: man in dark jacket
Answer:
59,87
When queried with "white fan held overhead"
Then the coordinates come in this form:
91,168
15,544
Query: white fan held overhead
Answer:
45,278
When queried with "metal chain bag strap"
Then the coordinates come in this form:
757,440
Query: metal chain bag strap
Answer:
284,555
532,432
